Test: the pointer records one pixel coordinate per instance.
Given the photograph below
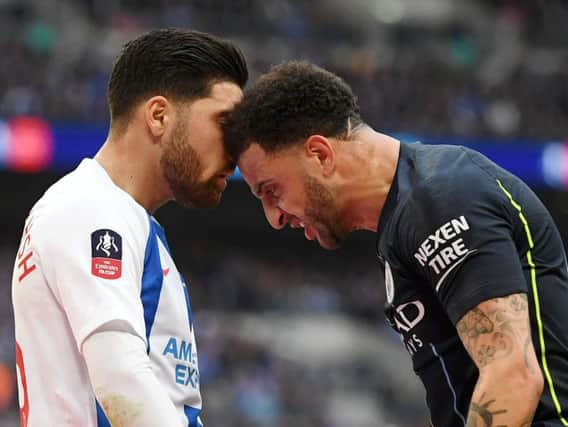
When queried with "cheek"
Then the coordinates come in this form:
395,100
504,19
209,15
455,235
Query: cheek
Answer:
210,152
208,141
214,159
293,203
217,149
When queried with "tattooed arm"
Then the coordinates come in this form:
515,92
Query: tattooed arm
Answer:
497,336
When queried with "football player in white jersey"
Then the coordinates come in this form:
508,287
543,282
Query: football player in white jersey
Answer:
103,323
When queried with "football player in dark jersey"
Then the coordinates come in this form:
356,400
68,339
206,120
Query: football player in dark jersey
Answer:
474,267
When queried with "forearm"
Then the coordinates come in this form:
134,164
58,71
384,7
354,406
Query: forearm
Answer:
123,381
504,399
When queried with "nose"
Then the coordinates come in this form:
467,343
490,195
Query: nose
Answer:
275,216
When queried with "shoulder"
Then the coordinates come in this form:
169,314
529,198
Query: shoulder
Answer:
451,180
453,191
80,204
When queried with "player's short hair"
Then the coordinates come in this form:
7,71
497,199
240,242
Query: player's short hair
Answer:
179,64
293,101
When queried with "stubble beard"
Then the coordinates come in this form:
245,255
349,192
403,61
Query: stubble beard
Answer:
322,214
182,168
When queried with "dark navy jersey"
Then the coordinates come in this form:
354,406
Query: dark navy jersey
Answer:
457,230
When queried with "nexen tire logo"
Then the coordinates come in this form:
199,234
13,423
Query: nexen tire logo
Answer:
443,247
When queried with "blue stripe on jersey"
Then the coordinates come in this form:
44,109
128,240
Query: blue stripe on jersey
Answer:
449,381
161,233
186,293
102,420
152,279
192,415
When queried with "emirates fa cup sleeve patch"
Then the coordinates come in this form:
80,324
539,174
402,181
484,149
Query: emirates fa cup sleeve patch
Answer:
106,254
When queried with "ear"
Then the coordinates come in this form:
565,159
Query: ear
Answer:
158,112
320,149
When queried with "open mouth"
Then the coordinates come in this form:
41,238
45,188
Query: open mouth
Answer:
309,232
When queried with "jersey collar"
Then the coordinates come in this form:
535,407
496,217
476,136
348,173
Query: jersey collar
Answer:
399,186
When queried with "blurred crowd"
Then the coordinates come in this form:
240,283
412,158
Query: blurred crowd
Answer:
7,349
283,341
483,67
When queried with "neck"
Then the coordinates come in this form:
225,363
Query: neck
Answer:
134,167
367,178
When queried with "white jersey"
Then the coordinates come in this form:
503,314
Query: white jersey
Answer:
90,254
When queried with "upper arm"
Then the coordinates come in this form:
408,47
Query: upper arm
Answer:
71,252
497,333
458,237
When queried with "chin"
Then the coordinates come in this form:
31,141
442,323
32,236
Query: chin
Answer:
203,201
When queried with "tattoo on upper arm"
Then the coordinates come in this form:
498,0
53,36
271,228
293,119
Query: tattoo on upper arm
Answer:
519,302
492,330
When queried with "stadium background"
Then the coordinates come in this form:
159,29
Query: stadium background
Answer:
289,334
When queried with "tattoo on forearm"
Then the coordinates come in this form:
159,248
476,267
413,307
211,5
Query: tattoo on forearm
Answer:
482,415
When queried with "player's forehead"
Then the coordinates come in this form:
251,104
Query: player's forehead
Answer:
222,96
254,165
259,167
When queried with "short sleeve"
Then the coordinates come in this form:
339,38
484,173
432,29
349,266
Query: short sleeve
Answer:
93,261
458,236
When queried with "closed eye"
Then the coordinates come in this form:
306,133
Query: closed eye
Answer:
271,193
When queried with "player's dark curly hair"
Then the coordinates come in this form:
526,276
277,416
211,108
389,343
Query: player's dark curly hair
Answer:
179,64
287,105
